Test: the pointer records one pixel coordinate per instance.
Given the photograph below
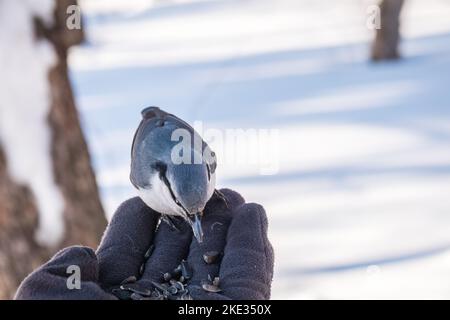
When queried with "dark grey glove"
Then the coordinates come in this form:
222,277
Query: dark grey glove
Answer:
235,230
238,231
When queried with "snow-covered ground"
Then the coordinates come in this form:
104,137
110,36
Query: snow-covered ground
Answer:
360,205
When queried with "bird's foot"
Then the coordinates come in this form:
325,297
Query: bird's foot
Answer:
222,197
167,219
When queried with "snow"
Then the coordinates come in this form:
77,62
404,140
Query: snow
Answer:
24,107
359,206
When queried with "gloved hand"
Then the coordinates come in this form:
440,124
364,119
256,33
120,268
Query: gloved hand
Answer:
132,248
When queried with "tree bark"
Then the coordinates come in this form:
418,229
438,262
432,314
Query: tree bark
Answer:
83,214
385,46
19,252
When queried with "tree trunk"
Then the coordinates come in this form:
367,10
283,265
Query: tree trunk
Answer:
84,219
385,46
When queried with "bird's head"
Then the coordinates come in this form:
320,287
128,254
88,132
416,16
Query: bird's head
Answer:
191,185
172,177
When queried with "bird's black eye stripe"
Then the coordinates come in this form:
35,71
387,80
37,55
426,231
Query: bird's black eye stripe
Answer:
162,170
167,183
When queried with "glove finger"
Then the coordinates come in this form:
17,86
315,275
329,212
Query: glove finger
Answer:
170,246
215,222
82,257
127,238
247,266
71,274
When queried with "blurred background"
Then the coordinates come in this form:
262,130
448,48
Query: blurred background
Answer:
359,204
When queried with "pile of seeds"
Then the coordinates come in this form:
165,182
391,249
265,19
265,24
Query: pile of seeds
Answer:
173,287
174,283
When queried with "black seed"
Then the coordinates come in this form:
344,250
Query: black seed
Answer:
211,257
130,279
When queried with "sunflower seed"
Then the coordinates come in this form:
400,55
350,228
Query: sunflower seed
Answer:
216,281
152,298
136,296
142,269
121,294
210,287
179,286
186,270
185,296
156,296
176,272
167,276
130,279
182,279
162,287
173,290
211,257
135,288
149,252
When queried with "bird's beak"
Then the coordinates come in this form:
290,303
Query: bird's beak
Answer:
197,227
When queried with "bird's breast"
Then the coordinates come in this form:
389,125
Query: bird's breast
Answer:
158,197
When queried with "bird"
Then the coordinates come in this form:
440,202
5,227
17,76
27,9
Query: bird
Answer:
173,177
